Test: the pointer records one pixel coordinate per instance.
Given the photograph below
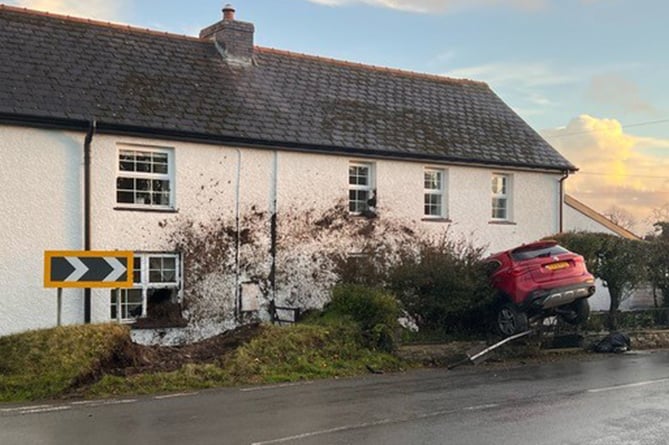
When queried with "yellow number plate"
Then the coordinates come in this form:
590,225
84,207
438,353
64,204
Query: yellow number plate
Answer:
557,266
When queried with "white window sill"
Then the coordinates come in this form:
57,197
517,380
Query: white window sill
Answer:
146,209
436,219
502,222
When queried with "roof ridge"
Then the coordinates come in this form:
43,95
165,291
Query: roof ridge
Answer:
398,71
346,63
94,22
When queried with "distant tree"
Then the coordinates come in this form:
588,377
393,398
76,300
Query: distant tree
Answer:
621,217
661,230
659,216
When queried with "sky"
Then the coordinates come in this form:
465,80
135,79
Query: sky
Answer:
588,75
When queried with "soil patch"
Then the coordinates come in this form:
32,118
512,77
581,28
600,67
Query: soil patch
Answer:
132,358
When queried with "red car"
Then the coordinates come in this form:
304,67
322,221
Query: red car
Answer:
538,280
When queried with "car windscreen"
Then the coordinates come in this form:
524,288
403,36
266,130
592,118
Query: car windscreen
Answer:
522,254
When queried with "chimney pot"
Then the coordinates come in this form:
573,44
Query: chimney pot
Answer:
228,12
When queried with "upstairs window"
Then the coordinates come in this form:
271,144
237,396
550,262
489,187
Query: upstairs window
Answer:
361,194
145,178
501,197
434,193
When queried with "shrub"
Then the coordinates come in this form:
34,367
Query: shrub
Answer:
376,312
618,262
443,287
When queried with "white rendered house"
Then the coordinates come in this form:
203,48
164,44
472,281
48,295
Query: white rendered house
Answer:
237,173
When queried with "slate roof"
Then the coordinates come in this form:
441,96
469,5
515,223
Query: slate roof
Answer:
63,69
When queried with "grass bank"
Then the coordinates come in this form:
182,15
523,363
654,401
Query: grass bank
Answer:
49,363
85,360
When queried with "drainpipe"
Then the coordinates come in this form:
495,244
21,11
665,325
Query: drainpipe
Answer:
87,209
238,294
273,226
561,204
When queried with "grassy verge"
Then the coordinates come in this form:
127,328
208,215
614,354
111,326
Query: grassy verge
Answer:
57,362
45,364
278,354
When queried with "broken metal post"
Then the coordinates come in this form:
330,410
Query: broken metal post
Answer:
478,357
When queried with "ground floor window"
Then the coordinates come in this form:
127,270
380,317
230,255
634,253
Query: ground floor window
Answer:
156,288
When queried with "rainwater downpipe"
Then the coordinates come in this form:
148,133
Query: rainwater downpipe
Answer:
238,182
87,209
561,203
273,225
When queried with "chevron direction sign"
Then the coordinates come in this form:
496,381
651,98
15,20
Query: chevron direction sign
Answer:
87,268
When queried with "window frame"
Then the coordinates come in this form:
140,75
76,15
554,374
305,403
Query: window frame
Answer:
441,192
370,188
119,301
505,195
168,177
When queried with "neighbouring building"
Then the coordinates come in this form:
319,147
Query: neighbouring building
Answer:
578,217
239,175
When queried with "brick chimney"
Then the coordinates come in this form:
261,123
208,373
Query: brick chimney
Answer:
233,39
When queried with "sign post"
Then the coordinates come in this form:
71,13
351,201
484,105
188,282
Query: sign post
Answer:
60,306
86,269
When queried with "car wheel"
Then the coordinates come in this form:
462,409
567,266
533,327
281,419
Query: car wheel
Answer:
578,312
510,320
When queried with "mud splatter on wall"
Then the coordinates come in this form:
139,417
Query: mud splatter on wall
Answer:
219,255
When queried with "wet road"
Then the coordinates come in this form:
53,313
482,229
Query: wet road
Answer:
621,399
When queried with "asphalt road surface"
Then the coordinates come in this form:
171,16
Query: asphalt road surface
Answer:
613,399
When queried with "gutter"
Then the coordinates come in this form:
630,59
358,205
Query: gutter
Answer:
87,209
207,138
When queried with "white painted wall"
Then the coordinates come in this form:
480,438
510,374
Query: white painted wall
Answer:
42,203
575,221
323,179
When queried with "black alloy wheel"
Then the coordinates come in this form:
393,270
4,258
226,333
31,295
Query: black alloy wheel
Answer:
510,320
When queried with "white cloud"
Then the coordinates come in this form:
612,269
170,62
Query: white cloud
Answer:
98,9
614,168
427,6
